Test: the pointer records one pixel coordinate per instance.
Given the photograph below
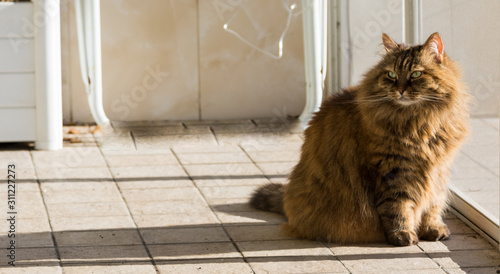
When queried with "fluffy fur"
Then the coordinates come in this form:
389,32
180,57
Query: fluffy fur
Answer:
375,161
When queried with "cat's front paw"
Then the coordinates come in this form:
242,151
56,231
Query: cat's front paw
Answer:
403,238
437,232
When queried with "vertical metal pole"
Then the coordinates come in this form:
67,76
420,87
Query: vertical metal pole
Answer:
314,22
48,75
412,21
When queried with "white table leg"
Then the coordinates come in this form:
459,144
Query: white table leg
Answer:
48,75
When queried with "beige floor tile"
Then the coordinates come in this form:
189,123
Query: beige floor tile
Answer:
22,174
144,172
273,147
230,205
210,266
256,233
80,185
89,195
83,173
456,242
231,182
179,219
283,248
283,168
247,128
159,151
472,270
28,211
168,207
299,264
234,128
33,269
116,143
178,129
117,268
20,186
98,237
213,158
275,156
43,256
87,223
161,194
169,141
372,249
28,239
388,262
222,170
26,226
413,271
110,253
88,209
184,234
467,258
71,157
256,139
193,251
456,226
227,192
21,160
77,185
142,160
206,149
153,184
28,198
250,217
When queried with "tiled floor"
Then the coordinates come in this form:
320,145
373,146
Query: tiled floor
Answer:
172,198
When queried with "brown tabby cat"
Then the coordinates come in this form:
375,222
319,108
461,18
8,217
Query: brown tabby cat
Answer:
376,157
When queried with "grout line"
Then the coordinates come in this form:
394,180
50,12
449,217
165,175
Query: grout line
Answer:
331,251
56,247
429,256
212,210
215,136
133,140
257,166
151,259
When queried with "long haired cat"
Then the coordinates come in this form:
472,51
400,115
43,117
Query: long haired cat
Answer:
376,157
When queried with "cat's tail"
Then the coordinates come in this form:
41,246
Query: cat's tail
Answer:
269,197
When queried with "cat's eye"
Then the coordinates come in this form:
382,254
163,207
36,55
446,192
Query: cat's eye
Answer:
391,74
416,74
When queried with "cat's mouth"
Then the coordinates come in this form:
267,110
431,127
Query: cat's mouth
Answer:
405,101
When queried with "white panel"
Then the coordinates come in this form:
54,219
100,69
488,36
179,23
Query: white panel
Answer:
16,20
16,55
17,90
17,124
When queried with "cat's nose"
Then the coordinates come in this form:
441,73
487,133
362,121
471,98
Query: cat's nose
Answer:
401,91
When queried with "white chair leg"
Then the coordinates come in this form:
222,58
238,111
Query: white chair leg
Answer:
314,44
88,22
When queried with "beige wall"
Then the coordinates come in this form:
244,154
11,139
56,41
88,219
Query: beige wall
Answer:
172,60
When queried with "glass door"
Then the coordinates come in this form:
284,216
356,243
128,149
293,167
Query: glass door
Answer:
469,30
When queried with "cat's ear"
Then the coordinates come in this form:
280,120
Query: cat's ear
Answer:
389,44
434,45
